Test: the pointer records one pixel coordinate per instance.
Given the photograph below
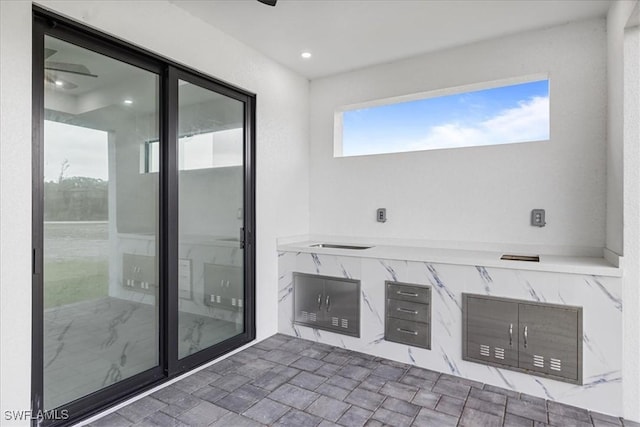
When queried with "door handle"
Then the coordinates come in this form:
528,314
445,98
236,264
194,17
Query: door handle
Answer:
328,303
407,331
510,334
319,301
526,335
407,294
242,238
406,310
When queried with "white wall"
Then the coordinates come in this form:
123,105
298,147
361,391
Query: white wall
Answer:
15,207
481,194
282,149
630,113
616,20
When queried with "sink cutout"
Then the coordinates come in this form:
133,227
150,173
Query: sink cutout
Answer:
337,246
529,258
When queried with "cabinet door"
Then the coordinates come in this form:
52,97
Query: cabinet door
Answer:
549,340
341,304
492,330
308,292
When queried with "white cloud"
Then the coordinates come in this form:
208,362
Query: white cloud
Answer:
529,121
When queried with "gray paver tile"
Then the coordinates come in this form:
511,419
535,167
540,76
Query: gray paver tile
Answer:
451,388
364,398
417,381
388,372
307,380
295,418
484,406
561,420
270,381
499,390
473,418
569,411
355,417
230,382
607,418
332,391
354,372
307,364
113,419
373,383
210,394
392,418
235,420
488,396
429,417
280,356
426,399
450,405
511,420
266,411
141,409
202,414
526,410
401,391
401,406
342,382
328,408
424,373
291,395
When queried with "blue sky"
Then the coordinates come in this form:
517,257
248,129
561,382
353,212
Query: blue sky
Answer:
515,113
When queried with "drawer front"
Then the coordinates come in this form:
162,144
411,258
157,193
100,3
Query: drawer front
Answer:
408,310
407,332
420,294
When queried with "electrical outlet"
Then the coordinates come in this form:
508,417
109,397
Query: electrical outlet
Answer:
537,218
381,215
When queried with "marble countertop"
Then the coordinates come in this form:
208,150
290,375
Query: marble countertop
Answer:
591,265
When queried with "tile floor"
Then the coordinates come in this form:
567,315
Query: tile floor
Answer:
285,381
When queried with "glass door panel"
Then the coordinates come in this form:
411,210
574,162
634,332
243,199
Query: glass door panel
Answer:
100,275
210,218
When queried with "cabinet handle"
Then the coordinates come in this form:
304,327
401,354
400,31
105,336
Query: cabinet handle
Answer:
319,301
526,335
407,294
407,331
510,334
406,310
328,303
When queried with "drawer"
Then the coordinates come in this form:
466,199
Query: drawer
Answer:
404,292
408,310
407,332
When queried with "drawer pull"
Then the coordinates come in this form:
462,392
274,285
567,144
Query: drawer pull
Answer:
407,331
406,310
407,294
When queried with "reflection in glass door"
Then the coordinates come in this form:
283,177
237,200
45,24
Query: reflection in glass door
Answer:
100,279
210,218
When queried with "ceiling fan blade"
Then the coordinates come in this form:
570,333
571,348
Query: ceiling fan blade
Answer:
48,52
268,2
65,84
66,67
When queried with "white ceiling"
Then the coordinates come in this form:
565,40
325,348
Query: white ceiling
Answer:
344,35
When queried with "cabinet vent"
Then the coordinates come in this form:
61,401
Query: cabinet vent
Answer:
345,323
308,317
555,364
499,353
335,321
538,361
484,350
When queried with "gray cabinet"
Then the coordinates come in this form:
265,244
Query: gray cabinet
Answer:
328,303
537,338
408,314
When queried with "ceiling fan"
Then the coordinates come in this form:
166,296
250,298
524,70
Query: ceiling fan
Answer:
52,69
268,2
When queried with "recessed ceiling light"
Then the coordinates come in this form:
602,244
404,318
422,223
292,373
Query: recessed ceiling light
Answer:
128,101
306,55
59,83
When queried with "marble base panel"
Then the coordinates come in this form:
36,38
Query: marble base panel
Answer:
600,298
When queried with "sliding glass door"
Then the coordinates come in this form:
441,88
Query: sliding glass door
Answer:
143,212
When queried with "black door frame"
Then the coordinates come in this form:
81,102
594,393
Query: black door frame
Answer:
48,23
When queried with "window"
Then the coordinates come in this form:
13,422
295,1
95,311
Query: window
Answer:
500,114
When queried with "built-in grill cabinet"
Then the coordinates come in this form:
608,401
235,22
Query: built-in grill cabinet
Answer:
329,303
223,286
139,273
538,338
408,314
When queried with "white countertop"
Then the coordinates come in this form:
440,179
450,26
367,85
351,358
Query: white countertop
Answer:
591,265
